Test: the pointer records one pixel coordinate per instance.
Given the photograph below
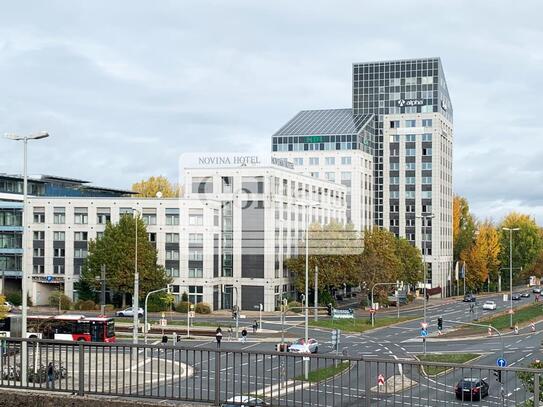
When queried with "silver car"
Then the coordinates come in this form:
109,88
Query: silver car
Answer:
129,313
300,346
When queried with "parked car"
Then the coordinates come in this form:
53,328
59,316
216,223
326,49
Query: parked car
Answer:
243,401
469,298
525,295
471,388
300,346
491,305
515,297
129,313
536,290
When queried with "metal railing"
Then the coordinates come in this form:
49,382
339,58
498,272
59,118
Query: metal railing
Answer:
215,376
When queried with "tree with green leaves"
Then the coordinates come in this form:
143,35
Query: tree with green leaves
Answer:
528,382
116,250
410,257
463,227
334,249
527,243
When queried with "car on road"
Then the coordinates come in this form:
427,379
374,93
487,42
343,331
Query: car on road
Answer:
525,295
300,346
515,297
244,401
129,313
471,388
469,298
536,290
491,305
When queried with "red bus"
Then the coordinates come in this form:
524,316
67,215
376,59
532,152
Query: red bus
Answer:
62,327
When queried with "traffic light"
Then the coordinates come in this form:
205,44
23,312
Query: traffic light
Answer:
329,309
498,374
440,323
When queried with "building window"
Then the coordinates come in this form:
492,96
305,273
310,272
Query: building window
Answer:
196,272
197,238
426,122
410,137
410,222
196,217
427,137
330,160
427,166
409,194
315,174
196,254
80,253
125,212
11,218
59,253
196,293
394,124
172,216
172,237
410,180
426,194
427,151
103,216
426,180
410,166
39,215
202,185
410,123
80,236
227,185
58,269
394,208
394,222
151,237
345,160
38,252
394,194
330,176
410,152
39,235
394,138
313,160
172,271
298,161
410,208
39,269
99,235
59,215
394,166
81,216
426,208
59,236
149,216
172,254
394,180
252,185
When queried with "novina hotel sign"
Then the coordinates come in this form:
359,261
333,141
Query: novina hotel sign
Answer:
218,160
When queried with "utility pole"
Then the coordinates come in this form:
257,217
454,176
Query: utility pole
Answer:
316,293
103,286
135,299
511,274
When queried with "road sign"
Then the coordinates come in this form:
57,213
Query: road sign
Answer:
163,322
49,278
342,313
424,325
501,362
511,311
191,314
380,380
423,332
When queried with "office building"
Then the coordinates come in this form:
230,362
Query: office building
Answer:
411,153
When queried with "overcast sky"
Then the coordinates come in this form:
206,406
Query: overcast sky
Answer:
125,87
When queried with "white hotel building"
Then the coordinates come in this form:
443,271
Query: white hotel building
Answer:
224,243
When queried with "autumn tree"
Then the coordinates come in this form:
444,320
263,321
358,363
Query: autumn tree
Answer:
410,257
334,249
463,227
527,243
150,187
116,250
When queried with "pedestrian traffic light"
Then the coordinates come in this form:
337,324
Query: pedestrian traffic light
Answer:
498,374
329,308
440,323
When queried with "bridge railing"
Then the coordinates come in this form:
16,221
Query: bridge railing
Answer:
217,375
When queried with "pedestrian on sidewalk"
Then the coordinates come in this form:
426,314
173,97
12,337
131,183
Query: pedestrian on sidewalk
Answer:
50,375
255,326
244,335
516,329
230,333
218,336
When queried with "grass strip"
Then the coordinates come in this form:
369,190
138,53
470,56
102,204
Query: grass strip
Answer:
358,325
324,372
444,358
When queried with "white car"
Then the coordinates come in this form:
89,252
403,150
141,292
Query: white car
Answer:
129,313
300,346
491,305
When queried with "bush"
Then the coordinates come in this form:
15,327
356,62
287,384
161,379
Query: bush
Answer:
182,306
295,306
202,308
56,297
109,308
325,298
15,297
184,297
87,305
159,302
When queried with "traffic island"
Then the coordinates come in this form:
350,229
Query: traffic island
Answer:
394,384
432,371
359,325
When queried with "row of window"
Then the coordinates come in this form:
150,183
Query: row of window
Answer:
395,124
411,152
411,194
394,138
411,180
410,166
409,208
327,160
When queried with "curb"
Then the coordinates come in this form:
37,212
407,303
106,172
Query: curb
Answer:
446,371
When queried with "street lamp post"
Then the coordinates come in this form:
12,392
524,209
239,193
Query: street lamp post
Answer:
24,280
145,330
511,274
425,277
135,297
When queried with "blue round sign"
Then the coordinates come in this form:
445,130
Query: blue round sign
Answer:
423,332
49,278
501,362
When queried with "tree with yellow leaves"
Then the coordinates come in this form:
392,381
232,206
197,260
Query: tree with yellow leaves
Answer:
463,227
150,187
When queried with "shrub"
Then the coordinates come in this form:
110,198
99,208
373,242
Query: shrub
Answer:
56,297
202,308
159,302
87,305
109,307
182,306
295,306
184,297
14,297
325,298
